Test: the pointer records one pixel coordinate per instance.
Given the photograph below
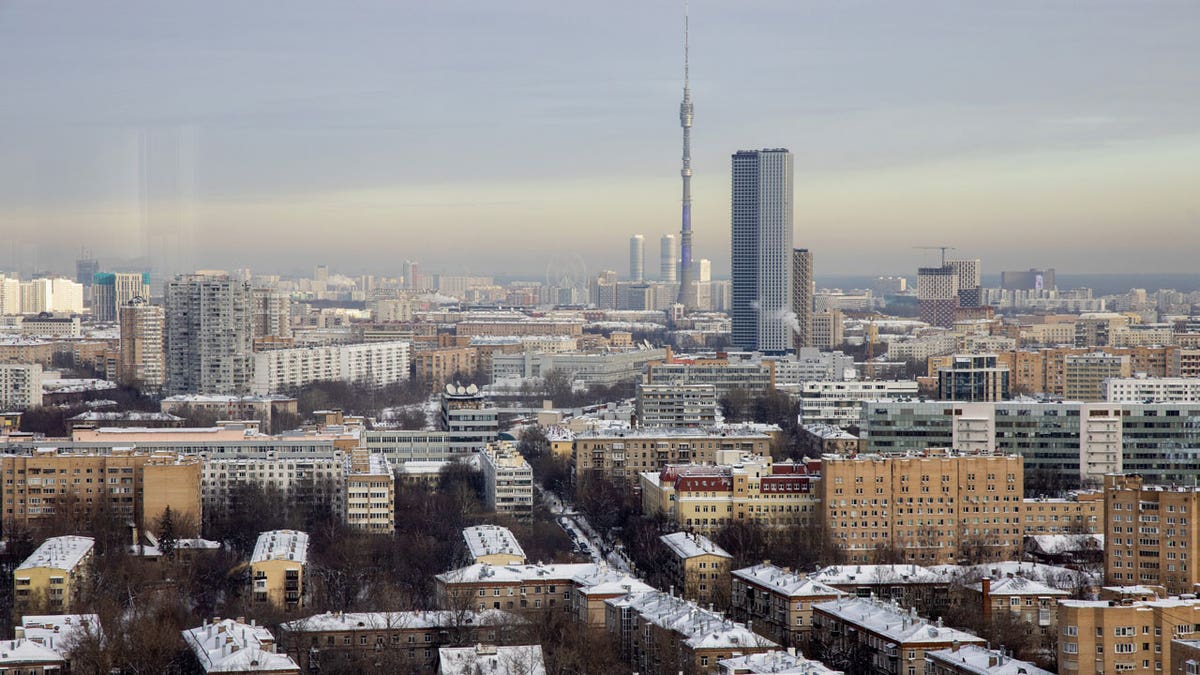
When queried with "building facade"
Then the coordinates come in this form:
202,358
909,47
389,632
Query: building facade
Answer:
209,335
277,569
762,248
20,385
802,296
143,359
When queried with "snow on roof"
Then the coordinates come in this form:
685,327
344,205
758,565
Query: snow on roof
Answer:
982,661
1051,575
228,646
421,466
1057,544
520,660
484,540
153,551
281,545
74,385
609,581
27,652
688,545
845,575
789,584
675,432
58,631
516,573
1019,586
701,628
128,416
353,621
217,398
829,432
62,553
1173,601
892,622
778,662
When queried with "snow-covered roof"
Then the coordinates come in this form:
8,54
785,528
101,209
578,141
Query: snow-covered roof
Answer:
829,432
493,660
58,631
281,545
352,621
789,584
675,432
228,646
516,573
485,540
62,553
1057,544
1051,575
701,628
152,550
775,662
689,545
1019,586
127,416
421,466
609,581
982,661
845,575
27,652
76,385
889,620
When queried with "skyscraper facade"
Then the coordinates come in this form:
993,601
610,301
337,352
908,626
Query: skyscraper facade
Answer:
637,258
970,291
937,295
142,361
669,264
802,296
114,290
209,335
761,221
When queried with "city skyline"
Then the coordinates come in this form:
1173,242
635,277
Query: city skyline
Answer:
153,132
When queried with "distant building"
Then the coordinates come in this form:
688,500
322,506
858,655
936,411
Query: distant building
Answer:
970,293
209,336
52,579
762,249
697,567
827,331
1028,280
623,454
20,385
637,258
1152,390
439,366
802,296
676,405
937,295
1084,375
507,480
470,418
143,358
277,569
114,290
370,364
669,259
973,378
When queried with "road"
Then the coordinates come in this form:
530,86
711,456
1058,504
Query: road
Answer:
577,527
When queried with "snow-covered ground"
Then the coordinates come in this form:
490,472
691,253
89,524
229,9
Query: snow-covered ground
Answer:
577,527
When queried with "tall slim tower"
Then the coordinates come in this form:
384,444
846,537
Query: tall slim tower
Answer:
669,259
761,260
687,287
637,258
802,296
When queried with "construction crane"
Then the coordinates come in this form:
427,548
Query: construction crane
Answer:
943,249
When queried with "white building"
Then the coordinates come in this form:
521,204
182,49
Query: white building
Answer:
20,385
10,295
1152,390
374,364
637,258
507,480
51,325
229,646
494,545
209,337
669,259
492,660
762,250
812,364
676,405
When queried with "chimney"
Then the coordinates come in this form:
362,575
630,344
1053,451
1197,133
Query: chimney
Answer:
986,594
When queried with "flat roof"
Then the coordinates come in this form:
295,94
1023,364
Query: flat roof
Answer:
59,553
281,545
483,540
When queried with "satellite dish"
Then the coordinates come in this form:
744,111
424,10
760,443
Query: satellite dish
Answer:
472,389
450,389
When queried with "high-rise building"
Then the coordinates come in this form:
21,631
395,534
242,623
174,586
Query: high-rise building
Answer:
112,291
687,283
703,270
637,258
937,295
142,357
209,336
669,261
1028,280
10,295
762,250
825,329
802,296
970,291
85,271
272,313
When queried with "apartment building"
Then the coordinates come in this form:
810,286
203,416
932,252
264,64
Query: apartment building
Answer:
263,408
507,480
133,484
623,454
663,634
446,364
370,492
494,545
277,569
1123,636
402,641
1084,375
837,403
697,567
893,639
492,659
976,660
1152,390
1081,512
20,385
142,361
522,326
667,405
911,585
817,440
774,662
209,337
1151,534
725,374
778,601
234,647
470,418
933,507
1032,601
704,498
371,364
52,579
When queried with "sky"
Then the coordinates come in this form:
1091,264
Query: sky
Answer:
512,137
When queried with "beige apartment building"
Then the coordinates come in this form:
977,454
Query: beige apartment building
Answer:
778,601
1084,374
1034,602
1123,636
933,507
439,366
277,569
51,579
697,567
622,455
1151,534
704,498
1045,370
133,484
1080,513
494,545
370,492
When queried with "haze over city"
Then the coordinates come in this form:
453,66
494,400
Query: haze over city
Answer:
482,137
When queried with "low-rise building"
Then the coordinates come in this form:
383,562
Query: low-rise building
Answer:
277,569
774,662
1185,656
59,632
861,631
491,659
623,454
778,601
494,545
507,480
1036,603
27,657
1114,636
697,567
52,579
976,660
233,647
817,440
1081,512
1065,549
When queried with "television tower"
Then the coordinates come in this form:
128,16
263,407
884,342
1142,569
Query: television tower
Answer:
687,287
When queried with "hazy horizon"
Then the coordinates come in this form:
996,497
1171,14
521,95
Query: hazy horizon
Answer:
491,139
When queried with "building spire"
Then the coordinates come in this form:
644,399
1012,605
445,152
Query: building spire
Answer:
687,290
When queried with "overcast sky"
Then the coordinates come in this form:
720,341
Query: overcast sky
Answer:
494,137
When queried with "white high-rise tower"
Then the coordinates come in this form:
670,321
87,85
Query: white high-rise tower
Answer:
669,267
637,258
762,250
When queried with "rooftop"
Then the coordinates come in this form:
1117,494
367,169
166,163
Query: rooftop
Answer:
841,575
484,540
228,646
352,621
1019,586
792,585
493,660
281,545
62,553
892,622
27,652
688,545
516,573
701,628
983,661
777,662
58,631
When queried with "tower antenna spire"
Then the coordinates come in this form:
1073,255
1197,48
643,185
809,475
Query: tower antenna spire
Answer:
687,290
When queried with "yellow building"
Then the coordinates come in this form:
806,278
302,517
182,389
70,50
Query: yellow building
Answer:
494,545
778,601
51,579
704,498
132,484
623,454
438,366
1151,534
1032,601
933,507
697,567
370,492
277,568
1111,636
1081,513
